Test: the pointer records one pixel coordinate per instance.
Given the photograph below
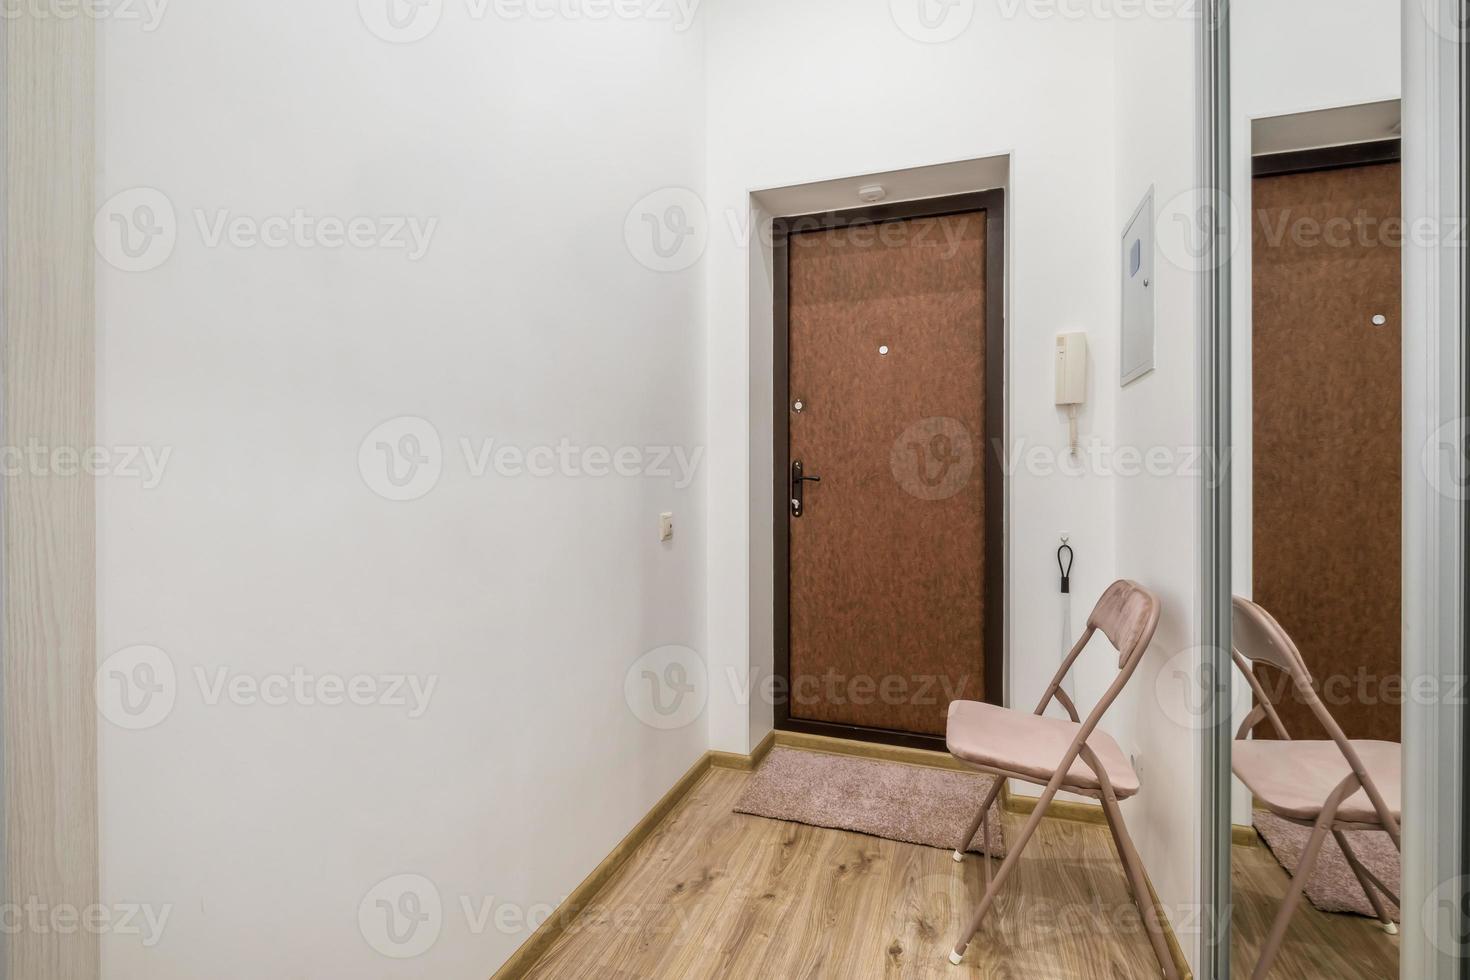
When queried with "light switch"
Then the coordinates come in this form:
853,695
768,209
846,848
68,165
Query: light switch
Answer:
666,527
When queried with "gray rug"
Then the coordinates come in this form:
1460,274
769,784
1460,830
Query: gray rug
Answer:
895,800
1334,887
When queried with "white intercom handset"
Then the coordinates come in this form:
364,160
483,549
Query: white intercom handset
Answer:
1071,378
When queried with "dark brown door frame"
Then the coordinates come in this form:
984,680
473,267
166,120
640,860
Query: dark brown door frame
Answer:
1325,158
992,204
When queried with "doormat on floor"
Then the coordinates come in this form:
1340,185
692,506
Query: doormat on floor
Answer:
911,803
1334,887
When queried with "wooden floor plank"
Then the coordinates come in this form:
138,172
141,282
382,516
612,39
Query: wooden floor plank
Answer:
1318,944
717,894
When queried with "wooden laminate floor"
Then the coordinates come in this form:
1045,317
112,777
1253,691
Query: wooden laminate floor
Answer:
1319,944
713,893
718,894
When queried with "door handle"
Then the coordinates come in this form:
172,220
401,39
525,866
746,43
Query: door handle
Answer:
798,495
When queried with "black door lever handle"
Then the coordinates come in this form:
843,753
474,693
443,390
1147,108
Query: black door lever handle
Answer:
798,495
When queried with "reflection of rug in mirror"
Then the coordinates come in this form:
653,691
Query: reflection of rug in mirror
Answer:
895,800
1334,887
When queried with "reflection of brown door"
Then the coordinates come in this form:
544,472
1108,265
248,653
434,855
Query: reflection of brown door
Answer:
1327,454
888,559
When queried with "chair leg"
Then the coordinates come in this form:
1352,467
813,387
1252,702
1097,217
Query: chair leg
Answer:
1122,856
1304,868
985,836
1378,883
1366,880
979,823
1138,885
1013,855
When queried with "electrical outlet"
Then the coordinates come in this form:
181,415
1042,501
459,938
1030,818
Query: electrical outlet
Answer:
666,527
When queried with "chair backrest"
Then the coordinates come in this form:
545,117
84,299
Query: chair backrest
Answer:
1127,614
1259,638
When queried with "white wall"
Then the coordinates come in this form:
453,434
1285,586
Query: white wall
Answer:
807,92
1297,57
1157,516
263,549
529,321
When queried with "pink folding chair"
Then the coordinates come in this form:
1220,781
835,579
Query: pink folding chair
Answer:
1064,755
1331,785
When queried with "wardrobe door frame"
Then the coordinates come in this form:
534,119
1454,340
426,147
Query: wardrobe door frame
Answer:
1436,587
1436,860
48,611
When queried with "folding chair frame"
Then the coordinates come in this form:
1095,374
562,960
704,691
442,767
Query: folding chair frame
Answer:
1127,614
1269,644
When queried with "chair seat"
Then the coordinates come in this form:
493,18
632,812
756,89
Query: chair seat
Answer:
1293,779
1032,746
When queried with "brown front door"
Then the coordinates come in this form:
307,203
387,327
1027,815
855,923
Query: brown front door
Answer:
1327,427
893,554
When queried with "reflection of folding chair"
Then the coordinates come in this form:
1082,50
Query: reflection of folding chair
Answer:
1332,785
1064,755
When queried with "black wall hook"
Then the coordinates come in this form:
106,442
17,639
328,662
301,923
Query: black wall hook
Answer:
1066,568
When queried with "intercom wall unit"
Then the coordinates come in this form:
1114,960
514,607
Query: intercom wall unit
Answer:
1071,378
